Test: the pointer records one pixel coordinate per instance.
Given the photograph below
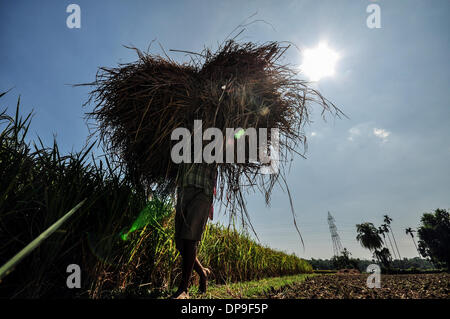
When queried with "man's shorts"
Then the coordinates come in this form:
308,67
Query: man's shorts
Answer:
192,211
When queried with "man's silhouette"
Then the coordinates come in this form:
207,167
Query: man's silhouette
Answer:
195,191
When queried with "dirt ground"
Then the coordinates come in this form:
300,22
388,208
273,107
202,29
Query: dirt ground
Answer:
346,286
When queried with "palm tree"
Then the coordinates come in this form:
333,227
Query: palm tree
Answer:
381,232
410,231
368,236
388,220
386,231
384,256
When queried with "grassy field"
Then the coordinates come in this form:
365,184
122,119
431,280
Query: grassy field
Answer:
249,289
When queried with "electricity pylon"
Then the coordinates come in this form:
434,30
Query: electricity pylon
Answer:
337,247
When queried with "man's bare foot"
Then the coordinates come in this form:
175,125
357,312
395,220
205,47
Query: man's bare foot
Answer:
180,295
204,280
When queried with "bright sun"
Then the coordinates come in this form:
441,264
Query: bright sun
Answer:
319,62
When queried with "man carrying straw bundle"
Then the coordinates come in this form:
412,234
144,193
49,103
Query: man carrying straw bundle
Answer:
241,85
194,205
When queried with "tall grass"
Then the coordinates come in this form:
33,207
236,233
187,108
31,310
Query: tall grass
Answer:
234,256
121,239
230,254
38,186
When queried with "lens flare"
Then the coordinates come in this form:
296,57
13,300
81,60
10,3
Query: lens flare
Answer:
104,246
239,134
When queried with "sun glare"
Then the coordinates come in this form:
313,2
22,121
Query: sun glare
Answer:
319,62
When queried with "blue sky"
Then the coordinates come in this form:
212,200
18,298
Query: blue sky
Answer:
392,155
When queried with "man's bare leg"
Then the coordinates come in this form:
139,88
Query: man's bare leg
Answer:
203,274
188,253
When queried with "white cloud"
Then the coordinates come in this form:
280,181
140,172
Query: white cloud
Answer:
381,133
354,131
313,134
368,132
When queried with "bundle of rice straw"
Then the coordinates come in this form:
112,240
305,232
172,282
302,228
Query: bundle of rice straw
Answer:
139,104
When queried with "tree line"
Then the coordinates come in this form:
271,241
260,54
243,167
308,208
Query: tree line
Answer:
431,240
433,244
